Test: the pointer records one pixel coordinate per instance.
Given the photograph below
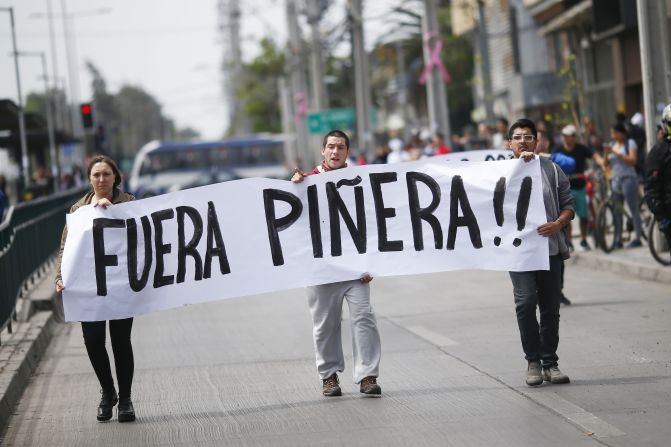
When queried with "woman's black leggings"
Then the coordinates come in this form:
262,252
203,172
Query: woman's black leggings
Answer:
94,339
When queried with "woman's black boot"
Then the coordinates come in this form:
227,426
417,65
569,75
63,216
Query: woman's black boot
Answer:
107,403
126,410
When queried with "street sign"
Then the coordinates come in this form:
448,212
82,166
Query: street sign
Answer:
342,118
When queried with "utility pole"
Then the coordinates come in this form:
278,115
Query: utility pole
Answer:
653,31
318,95
298,85
401,79
54,57
436,94
22,121
362,98
485,67
287,128
229,19
55,166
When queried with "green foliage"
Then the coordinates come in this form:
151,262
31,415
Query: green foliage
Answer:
258,92
572,96
35,103
457,56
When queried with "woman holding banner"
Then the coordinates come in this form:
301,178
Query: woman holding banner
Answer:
542,288
105,178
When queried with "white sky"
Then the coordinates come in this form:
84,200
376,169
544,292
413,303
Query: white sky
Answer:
170,48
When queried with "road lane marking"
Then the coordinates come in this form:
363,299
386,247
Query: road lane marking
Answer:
431,336
589,423
579,416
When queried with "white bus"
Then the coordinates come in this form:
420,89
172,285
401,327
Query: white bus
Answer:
162,167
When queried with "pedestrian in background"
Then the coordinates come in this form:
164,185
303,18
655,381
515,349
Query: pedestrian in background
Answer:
621,156
326,302
105,178
542,288
581,154
397,154
500,136
439,146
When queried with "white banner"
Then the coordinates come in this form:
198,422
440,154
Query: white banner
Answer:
479,155
258,235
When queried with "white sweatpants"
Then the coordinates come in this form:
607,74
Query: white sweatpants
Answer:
326,301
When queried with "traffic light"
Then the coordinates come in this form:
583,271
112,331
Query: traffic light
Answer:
86,111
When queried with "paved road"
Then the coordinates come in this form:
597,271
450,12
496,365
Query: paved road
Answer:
241,372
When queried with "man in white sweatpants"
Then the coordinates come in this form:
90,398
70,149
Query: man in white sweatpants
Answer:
326,301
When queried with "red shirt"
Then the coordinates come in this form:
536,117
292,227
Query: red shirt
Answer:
442,150
321,168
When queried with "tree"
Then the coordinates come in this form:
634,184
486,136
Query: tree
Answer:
457,56
259,92
129,119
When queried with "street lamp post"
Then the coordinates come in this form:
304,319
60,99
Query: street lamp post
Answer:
22,123
55,165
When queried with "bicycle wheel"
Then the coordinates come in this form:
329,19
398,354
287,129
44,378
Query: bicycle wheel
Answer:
659,245
605,225
646,217
592,229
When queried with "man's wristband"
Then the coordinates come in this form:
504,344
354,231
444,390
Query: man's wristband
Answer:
561,222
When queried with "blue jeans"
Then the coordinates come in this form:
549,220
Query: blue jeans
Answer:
625,190
542,289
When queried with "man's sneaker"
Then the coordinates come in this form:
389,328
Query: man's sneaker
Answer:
369,386
634,244
331,386
534,377
584,245
565,301
554,375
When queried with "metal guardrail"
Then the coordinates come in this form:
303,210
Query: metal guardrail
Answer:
29,237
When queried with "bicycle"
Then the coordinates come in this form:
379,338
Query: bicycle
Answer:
659,244
605,223
597,191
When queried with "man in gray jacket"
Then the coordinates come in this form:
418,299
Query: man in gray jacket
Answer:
542,288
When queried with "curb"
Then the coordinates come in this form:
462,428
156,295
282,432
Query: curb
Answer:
618,266
23,353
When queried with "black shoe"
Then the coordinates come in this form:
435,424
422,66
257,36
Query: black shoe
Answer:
331,386
126,410
565,301
106,406
369,386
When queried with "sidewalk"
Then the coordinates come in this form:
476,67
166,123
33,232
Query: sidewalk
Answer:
21,351
631,262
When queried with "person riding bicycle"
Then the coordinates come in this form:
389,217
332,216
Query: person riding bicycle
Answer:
658,175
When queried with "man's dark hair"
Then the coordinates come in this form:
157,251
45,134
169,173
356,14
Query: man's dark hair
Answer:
440,135
338,134
523,123
503,121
